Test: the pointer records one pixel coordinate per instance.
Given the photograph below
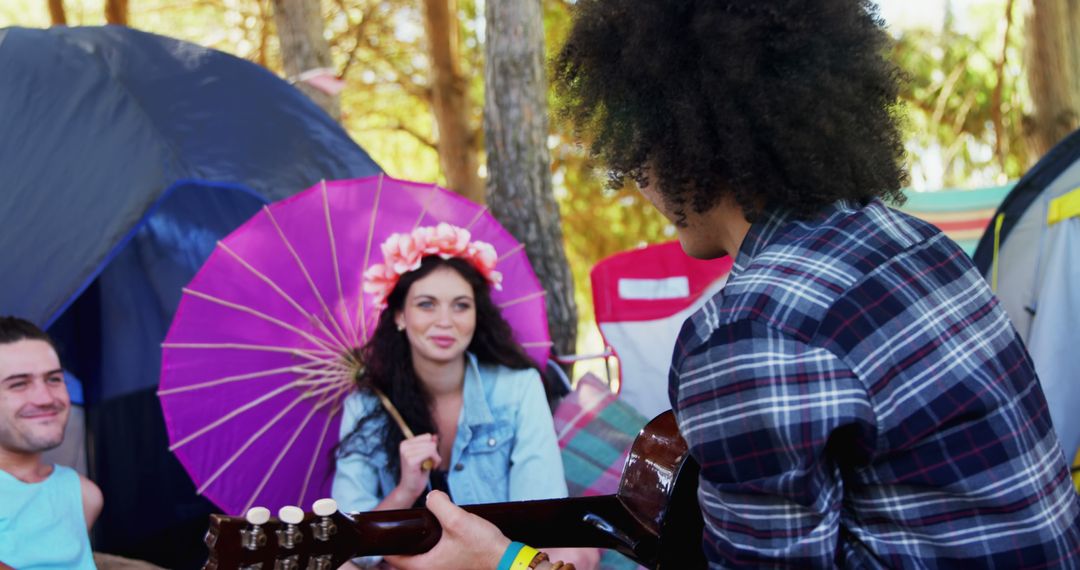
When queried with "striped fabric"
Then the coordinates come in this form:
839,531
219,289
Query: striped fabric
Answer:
595,431
963,215
856,397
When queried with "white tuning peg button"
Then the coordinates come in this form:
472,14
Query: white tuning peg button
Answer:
324,507
291,515
258,515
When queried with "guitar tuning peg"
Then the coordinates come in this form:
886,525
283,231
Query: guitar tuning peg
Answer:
324,507
290,536
254,538
258,515
291,515
324,528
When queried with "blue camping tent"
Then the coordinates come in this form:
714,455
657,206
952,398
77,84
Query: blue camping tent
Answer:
124,156
1029,255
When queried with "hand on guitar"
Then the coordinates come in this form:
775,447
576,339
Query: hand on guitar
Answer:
468,541
654,519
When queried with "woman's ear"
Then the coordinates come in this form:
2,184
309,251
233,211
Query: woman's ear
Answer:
399,320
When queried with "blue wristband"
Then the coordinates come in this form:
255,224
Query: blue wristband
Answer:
508,556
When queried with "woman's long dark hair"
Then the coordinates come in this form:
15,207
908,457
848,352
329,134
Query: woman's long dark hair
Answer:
387,359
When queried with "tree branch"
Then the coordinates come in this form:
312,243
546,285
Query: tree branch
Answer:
359,32
264,31
56,13
402,127
947,90
995,97
404,76
116,12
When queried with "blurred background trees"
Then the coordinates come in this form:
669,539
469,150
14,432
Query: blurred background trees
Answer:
992,85
1053,71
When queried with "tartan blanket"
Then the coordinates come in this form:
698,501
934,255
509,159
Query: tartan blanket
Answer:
595,430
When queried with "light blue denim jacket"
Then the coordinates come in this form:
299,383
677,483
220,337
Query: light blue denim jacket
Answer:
505,448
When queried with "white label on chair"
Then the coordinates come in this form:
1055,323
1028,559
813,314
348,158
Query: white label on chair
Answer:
653,289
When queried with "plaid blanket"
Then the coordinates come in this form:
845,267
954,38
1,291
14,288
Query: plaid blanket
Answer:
595,431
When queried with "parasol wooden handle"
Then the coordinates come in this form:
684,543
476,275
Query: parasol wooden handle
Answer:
428,464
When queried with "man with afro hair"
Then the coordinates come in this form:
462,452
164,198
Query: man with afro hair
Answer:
855,396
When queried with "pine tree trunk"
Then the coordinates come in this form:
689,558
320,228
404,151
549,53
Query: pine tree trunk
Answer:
303,47
519,176
1053,73
450,101
116,12
57,15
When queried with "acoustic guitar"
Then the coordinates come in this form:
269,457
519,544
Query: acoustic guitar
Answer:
653,518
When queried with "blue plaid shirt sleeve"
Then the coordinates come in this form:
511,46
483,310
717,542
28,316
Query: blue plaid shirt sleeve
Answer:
776,494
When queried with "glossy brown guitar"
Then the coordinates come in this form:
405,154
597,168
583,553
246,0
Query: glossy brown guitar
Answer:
654,519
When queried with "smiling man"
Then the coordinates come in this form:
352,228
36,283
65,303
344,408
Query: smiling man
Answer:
46,509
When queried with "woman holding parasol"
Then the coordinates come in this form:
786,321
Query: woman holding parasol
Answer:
442,363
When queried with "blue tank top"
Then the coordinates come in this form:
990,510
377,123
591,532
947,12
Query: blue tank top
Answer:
42,526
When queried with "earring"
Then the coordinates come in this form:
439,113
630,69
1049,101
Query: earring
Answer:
400,328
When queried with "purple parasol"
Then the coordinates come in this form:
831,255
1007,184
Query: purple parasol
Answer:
255,365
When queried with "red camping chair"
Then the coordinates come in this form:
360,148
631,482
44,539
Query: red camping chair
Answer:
641,298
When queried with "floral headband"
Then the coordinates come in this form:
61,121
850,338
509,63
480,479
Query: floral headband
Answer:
404,252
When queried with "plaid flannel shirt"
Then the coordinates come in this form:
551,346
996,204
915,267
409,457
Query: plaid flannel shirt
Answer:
856,397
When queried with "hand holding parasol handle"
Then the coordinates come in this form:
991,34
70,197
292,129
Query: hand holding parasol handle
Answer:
392,410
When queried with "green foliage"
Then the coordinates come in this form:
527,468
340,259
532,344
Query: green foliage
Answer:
949,99
597,222
379,47
386,105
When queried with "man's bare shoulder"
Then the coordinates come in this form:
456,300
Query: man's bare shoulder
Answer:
93,500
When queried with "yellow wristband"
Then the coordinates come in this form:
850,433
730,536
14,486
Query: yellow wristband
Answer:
524,557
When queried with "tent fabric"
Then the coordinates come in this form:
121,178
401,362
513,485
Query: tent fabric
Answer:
73,96
125,157
641,298
1029,189
1038,279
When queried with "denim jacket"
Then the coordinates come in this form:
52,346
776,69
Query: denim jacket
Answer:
505,448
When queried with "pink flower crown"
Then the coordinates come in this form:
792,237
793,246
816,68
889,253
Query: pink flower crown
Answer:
404,252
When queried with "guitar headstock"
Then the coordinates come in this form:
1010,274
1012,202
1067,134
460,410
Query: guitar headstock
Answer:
295,540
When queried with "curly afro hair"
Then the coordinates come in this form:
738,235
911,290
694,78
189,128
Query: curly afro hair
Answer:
783,104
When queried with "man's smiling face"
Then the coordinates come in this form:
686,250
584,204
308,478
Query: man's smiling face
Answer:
34,401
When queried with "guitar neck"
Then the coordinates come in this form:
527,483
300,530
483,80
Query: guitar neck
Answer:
654,519
591,521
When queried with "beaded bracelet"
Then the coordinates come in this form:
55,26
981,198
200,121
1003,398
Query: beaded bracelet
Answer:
540,557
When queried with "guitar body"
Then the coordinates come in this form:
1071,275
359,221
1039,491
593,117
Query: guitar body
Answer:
659,489
654,519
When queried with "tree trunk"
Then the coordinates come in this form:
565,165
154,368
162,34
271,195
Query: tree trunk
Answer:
519,176
450,101
116,12
56,13
304,47
1053,72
